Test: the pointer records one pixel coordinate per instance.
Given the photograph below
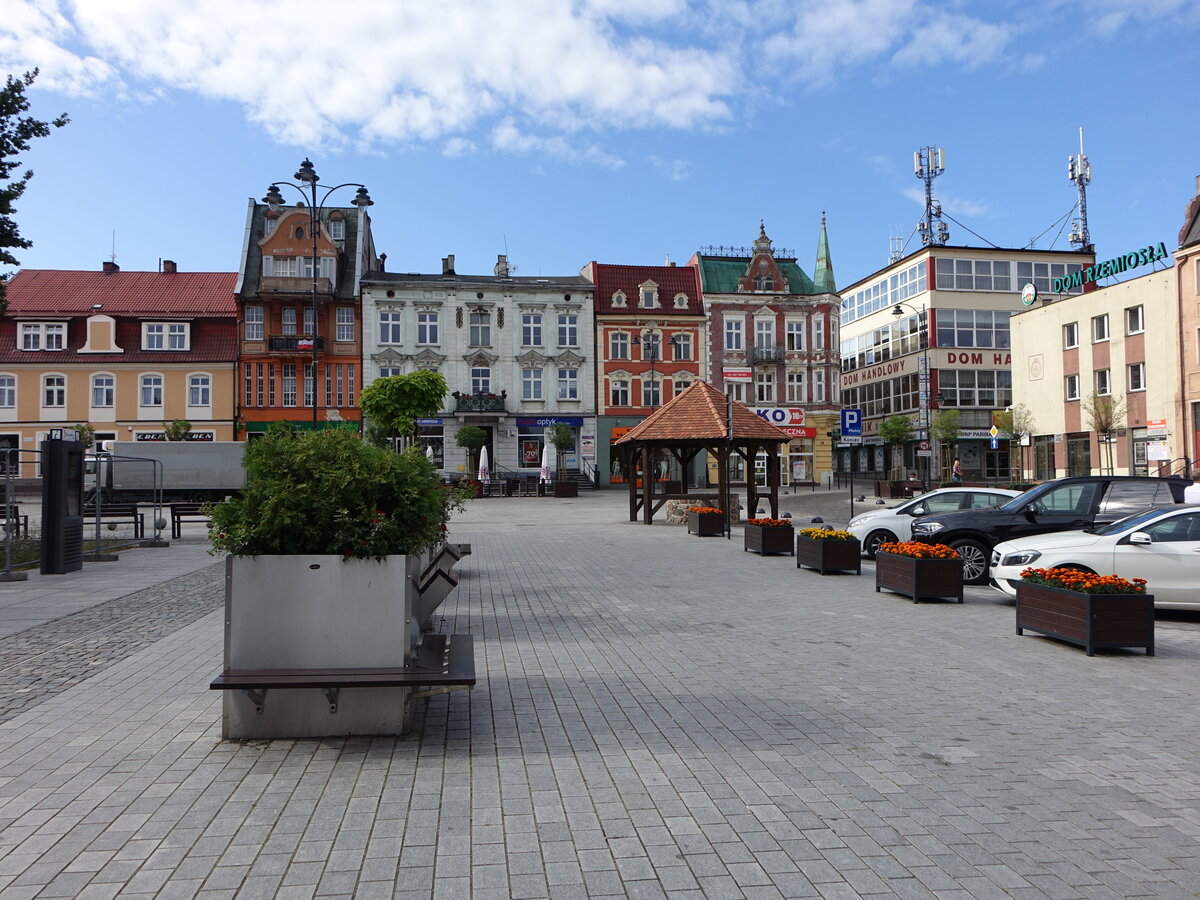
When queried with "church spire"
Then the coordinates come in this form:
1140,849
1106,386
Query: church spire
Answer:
823,273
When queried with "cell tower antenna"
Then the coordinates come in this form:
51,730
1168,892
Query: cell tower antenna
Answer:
1079,170
895,246
928,164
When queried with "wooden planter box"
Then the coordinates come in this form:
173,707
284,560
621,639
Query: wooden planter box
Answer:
921,579
706,524
566,489
764,539
829,556
1087,620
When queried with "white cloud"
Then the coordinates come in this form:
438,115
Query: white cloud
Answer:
37,34
674,169
953,38
509,138
955,206
457,146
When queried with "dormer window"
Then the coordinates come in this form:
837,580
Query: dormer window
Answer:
43,335
337,227
649,295
618,299
681,301
764,283
165,336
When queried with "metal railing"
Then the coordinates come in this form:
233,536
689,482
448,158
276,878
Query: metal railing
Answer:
479,402
287,342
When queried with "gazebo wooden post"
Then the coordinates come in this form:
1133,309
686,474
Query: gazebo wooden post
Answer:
749,454
627,452
773,478
647,481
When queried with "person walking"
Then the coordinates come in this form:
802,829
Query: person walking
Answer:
1191,493
956,471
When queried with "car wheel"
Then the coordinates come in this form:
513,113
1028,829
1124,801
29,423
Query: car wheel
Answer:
874,539
975,561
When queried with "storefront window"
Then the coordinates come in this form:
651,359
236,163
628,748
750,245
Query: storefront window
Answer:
531,439
432,434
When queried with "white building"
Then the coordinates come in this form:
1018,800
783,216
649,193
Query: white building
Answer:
517,353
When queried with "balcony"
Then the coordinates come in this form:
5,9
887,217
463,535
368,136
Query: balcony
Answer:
761,355
293,343
278,284
479,402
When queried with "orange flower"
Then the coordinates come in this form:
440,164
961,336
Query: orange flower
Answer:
770,523
704,509
918,551
1084,582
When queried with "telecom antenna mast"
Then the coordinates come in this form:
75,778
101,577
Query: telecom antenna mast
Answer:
1079,170
928,164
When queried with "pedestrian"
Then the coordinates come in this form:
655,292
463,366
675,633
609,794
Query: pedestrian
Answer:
1191,493
956,471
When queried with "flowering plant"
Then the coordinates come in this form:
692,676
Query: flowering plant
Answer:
1084,582
770,523
826,534
704,509
918,551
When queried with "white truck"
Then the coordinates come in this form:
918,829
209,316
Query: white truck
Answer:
197,471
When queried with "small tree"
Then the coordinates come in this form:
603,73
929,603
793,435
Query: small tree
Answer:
87,434
177,429
560,436
895,431
1015,423
471,438
396,402
945,429
1105,415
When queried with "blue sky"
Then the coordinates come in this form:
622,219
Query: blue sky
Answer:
624,131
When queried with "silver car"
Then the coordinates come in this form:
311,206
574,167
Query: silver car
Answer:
895,523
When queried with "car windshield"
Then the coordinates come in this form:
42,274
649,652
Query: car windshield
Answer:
1018,502
1125,524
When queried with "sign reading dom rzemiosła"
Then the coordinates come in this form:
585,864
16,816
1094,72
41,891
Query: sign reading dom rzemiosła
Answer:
1110,267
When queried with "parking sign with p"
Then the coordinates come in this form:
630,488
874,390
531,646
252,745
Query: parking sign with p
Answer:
852,426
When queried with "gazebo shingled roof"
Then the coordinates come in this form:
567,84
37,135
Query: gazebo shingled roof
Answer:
698,415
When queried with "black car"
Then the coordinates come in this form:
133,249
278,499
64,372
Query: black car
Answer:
1068,504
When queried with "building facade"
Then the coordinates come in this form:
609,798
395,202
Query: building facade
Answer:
516,352
773,345
1187,281
125,352
292,326
650,346
931,332
1116,343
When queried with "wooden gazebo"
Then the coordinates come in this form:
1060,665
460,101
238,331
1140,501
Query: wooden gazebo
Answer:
698,421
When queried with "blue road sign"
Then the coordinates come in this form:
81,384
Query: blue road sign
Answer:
851,423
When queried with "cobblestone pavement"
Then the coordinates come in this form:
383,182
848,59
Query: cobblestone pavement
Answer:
657,715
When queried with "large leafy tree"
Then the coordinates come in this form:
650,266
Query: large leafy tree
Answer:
396,402
16,133
895,431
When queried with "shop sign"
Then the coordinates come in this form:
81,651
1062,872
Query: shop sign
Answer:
975,434
1157,451
779,415
571,421
429,421
1156,428
737,373
587,445
190,436
801,432
1110,267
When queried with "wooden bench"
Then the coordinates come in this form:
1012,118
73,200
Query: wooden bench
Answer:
444,662
190,512
121,514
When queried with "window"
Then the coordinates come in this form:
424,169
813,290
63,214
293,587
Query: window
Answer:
618,299
43,335
733,334
531,384
818,333
1071,387
764,387
8,392
390,371
103,390
795,387
344,324
54,390
1100,328
975,275
200,390
481,381
531,329
481,329
736,390
618,345
683,346
794,333
427,328
1070,335
1135,320
764,283
651,393
650,346
152,390
1043,275
289,384
682,383
1135,377
649,295
884,293
337,229
568,384
1103,381
973,328
288,319
177,336
152,335
310,320
620,393
568,330
764,335
389,327
818,386
983,387
681,301
308,384
254,322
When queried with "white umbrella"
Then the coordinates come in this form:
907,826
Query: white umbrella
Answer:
485,474
429,451
544,475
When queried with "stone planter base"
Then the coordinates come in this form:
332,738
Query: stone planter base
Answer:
1090,621
920,579
829,556
765,539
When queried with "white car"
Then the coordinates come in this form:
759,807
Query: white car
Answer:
1160,545
895,523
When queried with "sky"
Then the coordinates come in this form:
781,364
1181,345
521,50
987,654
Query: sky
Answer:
622,131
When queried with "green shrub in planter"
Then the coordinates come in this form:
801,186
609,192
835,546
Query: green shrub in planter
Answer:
330,492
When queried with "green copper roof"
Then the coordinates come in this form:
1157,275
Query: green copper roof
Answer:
823,274
720,276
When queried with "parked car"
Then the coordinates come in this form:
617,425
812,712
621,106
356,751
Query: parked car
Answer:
895,523
1068,504
1160,545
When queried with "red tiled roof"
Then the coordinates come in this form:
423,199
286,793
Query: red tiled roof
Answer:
212,340
698,414
54,292
671,280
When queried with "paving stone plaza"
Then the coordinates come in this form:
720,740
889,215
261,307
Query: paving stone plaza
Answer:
657,715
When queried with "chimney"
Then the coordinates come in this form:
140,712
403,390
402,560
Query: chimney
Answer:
109,268
501,269
169,267
448,264
382,262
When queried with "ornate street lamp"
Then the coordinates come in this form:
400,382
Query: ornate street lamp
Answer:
308,187
923,375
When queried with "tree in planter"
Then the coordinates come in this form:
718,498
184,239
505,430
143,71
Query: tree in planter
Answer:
87,434
396,403
177,430
895,431
561,438
471,438
1016,423
945,430
1105,415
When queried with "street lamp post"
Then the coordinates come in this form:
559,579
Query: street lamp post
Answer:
922,378
308,188
650,342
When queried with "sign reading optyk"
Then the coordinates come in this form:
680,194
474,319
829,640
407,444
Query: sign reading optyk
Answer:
1110,267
